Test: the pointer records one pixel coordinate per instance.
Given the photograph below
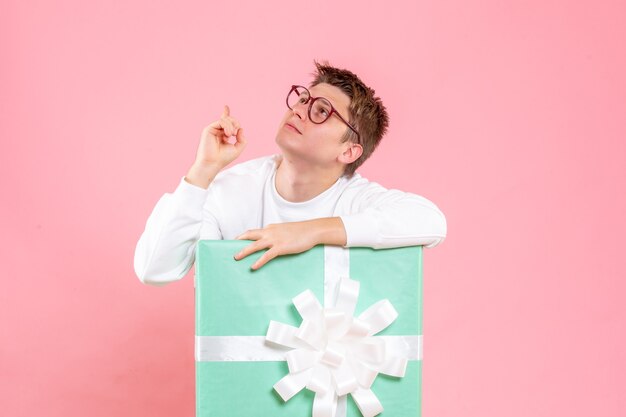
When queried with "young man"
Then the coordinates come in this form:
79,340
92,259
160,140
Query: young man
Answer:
287,203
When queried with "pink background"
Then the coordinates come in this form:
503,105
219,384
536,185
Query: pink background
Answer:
508,115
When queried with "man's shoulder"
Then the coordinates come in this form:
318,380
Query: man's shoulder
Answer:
254,167
358,188
240,186
243,177
358,183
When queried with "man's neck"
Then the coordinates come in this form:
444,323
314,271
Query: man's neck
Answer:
297,184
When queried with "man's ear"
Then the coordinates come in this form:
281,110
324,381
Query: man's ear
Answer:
351,153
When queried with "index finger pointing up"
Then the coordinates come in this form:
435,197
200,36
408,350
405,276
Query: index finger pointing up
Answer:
226,111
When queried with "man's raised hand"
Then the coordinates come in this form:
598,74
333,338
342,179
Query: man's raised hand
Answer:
214,149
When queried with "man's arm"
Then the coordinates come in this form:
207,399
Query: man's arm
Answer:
387,219
392,219
165,251
381,218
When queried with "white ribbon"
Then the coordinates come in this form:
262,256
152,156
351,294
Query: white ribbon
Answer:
255,349
334,353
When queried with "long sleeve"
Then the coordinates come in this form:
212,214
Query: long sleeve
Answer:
165,251
381,218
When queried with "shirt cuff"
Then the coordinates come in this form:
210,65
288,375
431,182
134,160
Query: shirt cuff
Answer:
191,194
362,229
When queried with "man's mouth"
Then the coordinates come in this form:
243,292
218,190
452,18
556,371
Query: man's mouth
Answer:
290,126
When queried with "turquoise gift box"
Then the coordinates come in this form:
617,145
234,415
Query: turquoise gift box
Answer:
234,303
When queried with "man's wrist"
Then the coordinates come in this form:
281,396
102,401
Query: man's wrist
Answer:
330,231
202,175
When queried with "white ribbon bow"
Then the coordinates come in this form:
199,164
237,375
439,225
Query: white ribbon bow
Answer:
335,353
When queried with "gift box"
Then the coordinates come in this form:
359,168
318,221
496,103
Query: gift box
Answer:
257,332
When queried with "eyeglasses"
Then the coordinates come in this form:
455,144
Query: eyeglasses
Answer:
320,109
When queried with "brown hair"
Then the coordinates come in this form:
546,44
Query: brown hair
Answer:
367,113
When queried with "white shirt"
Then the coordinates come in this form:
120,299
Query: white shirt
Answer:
244,197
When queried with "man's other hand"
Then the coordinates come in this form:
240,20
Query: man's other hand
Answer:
291,238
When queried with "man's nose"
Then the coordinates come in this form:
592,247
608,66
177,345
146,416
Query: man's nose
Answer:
300,110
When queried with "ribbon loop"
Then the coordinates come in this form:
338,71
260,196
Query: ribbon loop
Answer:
307,305
320,380
337,323
291,384
379,316
370,350
300,359
282,334
312,333
358,329
364,374
345,381
394,366
325,405
367,402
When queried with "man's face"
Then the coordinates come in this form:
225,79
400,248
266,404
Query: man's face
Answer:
319,144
